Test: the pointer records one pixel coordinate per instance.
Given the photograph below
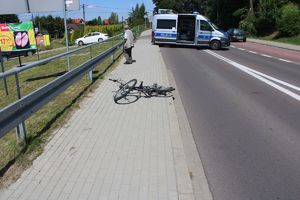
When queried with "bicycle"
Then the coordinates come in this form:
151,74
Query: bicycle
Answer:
149,91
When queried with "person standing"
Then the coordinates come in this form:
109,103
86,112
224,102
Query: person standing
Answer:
128,44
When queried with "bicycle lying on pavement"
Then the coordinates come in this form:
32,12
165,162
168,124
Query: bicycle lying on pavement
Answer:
149,91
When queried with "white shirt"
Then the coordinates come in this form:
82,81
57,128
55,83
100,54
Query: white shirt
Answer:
128,35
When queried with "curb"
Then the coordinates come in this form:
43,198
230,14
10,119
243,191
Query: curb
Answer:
275,44
200,185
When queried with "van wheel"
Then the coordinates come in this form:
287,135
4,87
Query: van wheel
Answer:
215,45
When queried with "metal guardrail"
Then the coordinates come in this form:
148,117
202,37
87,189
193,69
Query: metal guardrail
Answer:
16,70
16,113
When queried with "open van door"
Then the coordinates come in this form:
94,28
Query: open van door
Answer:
186,29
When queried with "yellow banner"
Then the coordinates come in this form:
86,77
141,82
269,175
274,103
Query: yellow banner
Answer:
46,40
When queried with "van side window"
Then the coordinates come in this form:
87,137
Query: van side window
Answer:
166,23
204,26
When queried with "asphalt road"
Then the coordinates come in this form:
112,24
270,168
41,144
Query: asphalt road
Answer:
246,123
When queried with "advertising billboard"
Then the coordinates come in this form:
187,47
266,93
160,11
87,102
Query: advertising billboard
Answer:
17,37
36,6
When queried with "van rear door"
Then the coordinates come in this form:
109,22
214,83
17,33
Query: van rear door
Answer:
166,30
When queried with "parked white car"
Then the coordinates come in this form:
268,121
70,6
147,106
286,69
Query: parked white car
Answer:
91,38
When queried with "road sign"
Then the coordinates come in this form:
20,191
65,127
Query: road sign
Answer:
36,6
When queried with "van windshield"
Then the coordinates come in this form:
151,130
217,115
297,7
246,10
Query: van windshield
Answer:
213,25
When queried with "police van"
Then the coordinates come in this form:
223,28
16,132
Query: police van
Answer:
187,29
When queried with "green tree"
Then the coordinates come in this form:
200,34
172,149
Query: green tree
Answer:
92,22
52,25
136,16
114,18
99,20
9,19
289,21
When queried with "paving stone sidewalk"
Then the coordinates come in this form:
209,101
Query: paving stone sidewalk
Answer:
109,151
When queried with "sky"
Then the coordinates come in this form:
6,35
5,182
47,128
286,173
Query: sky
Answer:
102,8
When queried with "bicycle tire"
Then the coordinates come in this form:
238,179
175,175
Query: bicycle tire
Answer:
164,90
169,89
124,90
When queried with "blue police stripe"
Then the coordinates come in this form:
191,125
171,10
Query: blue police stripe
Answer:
166,35
204,37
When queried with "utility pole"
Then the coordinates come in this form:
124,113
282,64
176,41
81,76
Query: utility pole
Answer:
251,7
218,12
83,12
67,35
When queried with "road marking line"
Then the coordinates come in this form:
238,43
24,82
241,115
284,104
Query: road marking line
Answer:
253,52
260,76
241,49
284,60
265,55
274,79
233,46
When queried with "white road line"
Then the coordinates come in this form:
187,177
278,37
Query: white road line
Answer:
265,55
233,46
260,76
253,52
284,60
274,79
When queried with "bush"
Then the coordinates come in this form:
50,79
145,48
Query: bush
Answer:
289,22
248,24
77,33
268,12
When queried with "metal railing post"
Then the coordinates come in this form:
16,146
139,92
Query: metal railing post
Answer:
91,53
21,128
3,70
113,55
90,73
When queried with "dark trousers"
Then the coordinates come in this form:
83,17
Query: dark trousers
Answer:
128,54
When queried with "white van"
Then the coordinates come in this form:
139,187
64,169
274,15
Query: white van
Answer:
187,29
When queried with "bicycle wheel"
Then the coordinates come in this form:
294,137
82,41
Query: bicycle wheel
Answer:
164,90
169,89
124,90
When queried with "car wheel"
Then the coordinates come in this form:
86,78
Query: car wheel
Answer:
80,43
244,40
215,45
29,53
4,58
100,40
